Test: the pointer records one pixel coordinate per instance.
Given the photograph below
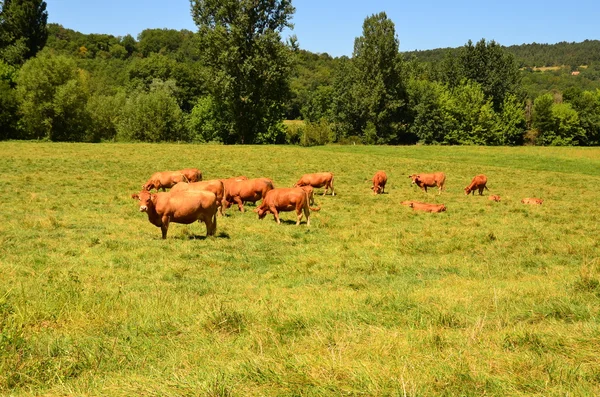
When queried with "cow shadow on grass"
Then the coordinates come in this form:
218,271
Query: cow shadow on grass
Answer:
192,236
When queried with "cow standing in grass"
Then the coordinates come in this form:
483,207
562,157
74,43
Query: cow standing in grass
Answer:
241,191
184,207
317,180
163,180
286,199
429,180
478,183
215,186
379,181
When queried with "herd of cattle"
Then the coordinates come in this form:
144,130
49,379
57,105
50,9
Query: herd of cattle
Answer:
190,199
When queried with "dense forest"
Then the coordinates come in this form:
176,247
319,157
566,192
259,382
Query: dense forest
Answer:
235,80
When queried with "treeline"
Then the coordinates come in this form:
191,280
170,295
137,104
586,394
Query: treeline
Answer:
235,81
532,55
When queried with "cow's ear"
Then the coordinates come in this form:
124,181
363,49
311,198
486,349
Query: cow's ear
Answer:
135,196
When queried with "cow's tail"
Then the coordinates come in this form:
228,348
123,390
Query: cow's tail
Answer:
486,188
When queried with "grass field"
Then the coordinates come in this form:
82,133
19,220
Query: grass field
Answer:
371,300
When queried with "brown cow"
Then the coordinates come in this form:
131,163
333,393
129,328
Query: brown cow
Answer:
240,191
215,186
478,183
536,201
494,197
192,174
429,180
409,203
427,207
286,199
310,192
379,181
180,207
164,180
320,179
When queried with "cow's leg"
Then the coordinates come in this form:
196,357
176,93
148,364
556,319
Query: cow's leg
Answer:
332,189
165,226
307,213
275,214
239,202
481,191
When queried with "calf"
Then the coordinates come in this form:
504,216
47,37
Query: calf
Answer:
286,199
429,180
427,207
215,186
179,207
241,191
379,181
478,183
320,179
535,201
494,197
164,180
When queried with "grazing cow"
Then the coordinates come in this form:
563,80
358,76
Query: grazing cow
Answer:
320,179
286,199
192,174
536,201
427,207
429,180
309,193
379,181
478,183
215,186
494,197
179,207
164,180
241,191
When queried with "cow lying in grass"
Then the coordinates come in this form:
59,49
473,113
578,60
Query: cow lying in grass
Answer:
179,207
417,206
286,199
494,197
535,201
429,180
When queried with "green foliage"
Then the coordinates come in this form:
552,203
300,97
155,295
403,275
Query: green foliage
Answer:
315,133
512,122
23,30
52,93
104,112
377,88
428,103
163,41
587,105
489,65
8,111
152,116
557,123
203,123
249,65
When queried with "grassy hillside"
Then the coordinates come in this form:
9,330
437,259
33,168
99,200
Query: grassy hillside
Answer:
371,299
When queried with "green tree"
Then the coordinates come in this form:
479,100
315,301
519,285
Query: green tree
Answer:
204,123
428,104
23,30
104,113
378,87
52,93
249,64
512,122
489,65
152,116
587,105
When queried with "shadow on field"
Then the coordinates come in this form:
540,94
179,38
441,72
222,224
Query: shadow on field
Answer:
201,236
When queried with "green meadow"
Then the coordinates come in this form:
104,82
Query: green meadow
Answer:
372,299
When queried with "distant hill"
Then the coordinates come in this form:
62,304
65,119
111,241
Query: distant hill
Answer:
532,55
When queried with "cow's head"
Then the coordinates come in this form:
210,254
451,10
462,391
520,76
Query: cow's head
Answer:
145,199
149,186
467,190
376,189
443,208
262,211
415,178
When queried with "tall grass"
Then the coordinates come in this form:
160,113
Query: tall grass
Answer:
371,299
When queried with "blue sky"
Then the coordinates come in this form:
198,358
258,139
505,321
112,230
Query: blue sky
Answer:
331,25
